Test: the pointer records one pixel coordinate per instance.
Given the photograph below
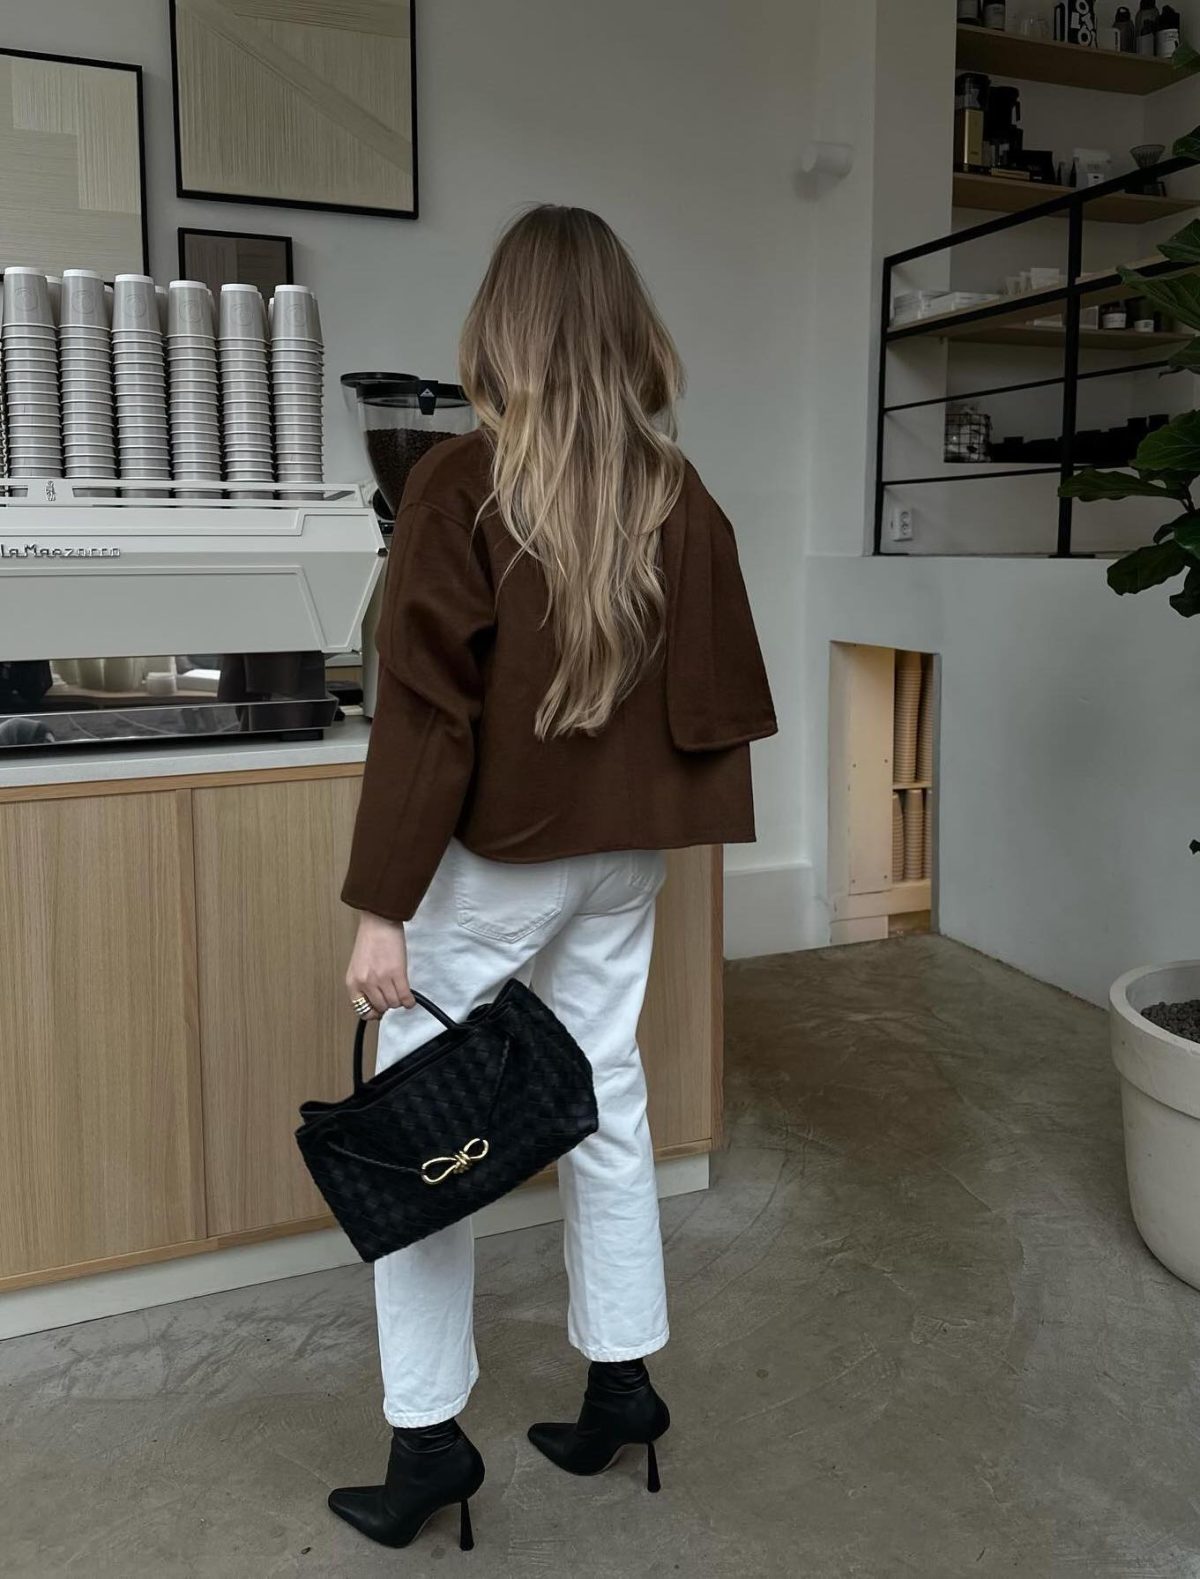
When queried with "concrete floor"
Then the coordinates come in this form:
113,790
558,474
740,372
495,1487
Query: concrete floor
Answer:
915,1334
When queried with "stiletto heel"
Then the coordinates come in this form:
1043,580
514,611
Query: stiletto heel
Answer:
620,1408
430,1467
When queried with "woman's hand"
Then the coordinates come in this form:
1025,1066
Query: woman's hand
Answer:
378,969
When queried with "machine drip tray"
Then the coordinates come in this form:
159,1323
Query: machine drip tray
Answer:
170,722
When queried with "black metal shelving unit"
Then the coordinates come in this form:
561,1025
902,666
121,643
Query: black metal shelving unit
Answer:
1072,297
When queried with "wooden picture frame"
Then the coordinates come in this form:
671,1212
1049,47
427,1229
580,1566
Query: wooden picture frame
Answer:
259,122
224,257
72,164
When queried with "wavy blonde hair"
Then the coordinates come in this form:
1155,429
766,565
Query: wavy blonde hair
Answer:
574,376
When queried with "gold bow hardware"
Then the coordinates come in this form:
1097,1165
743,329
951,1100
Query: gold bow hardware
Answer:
474,1151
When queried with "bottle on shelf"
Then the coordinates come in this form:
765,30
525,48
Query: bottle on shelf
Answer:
1114,315
1125,37
995,15
970,11
970,100
1081,24
1145,26
1166,40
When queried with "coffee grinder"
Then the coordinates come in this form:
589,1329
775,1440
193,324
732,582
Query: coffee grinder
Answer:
400,418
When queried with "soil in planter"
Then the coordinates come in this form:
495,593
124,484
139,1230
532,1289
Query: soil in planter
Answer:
1181,1019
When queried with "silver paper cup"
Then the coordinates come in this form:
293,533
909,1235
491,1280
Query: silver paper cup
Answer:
189,309
27,298
84,304
135,304
242,315
295,313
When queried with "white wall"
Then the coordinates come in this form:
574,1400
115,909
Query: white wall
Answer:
1070,738
681,124
1070,753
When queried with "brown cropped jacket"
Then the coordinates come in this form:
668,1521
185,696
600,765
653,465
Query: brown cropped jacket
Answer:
466,657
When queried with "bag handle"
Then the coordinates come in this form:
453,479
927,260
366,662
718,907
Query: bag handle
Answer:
360,1034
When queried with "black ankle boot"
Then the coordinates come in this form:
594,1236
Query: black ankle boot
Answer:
620,1408
430,1467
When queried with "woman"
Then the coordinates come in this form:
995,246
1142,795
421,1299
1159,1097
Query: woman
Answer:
569,679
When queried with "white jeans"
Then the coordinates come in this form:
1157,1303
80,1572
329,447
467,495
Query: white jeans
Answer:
579,931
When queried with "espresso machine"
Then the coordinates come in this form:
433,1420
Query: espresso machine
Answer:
400,418
126,618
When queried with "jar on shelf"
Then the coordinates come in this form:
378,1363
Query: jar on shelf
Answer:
968,435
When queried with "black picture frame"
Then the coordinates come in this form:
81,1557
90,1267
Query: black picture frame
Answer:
290,202
139,100
285,243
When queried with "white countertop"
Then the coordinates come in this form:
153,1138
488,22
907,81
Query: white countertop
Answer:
90,764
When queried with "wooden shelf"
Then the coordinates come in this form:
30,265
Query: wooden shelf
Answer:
1009,319
902,898
986,333
1069,65
996,193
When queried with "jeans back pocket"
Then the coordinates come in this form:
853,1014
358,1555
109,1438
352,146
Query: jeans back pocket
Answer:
505,902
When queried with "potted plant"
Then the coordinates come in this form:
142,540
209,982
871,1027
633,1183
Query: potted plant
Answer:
1155,1010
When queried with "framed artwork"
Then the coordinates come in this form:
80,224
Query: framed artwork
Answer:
72,164
308,105
227,257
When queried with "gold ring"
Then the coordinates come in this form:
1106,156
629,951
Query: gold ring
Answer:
362,1007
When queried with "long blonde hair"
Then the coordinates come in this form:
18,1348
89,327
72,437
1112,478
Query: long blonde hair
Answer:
574,376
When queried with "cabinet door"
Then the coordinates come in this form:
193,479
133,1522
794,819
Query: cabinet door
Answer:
681,1029
99,1076
274,941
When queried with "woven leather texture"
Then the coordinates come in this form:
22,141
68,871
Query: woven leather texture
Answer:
511,1075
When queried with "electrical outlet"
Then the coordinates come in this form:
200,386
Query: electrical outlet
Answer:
901,525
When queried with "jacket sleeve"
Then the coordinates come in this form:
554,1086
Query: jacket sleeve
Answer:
435,632
718,694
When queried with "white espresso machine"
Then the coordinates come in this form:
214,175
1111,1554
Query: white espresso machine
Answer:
128,617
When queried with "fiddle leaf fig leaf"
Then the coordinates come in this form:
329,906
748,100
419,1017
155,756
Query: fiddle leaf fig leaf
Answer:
1187,600
1148,567
1187,356
1090,485
1173,448
1178,298
1186,532
1184,245
1185,57
1187,146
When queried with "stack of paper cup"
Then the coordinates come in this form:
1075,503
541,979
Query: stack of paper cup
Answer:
30,345
139,374
194,390
925,727
85,353
914,835
297,381
927,851
3,421
907,712
245,391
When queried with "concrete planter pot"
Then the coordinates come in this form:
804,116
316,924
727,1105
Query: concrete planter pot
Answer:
1160,1100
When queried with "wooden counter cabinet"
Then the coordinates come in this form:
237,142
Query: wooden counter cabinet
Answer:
173,958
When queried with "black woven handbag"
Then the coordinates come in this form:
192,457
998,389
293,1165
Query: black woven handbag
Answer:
452,1126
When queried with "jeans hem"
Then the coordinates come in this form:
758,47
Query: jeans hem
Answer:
638,1352
408,1420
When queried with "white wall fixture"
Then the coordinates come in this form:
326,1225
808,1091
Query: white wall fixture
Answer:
1160,1100
832,159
